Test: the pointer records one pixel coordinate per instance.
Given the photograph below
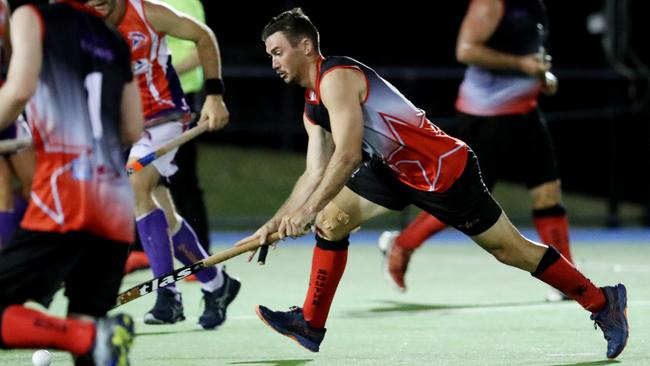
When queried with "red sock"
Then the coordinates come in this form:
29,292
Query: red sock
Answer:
26,328
418,231
558,272
553,228
327,268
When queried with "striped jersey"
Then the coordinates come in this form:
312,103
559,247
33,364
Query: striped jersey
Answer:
395,130
160,90
80,183
484,92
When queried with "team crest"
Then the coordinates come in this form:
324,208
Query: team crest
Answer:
137,40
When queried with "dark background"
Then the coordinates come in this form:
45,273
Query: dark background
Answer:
599,119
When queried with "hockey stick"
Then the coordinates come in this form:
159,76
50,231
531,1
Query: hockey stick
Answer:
11,145
173,277
186,136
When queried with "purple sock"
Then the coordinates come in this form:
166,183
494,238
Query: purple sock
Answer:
188,250
8,225
154,235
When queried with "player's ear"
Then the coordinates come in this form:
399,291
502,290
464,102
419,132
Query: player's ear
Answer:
307,46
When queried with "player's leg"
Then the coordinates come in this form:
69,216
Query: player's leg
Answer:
91,288
398,247
483,220
218,288
550,217
7,215
306,325
536,159
188,195
33,266
365,196
608,305
152,222
539,164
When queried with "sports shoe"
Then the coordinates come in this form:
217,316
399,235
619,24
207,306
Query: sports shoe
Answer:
555,295
135,261
168,308
217,302
113,340
612,319
293,325
396,259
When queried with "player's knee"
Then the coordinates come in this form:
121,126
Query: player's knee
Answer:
519,255
333,223
547,194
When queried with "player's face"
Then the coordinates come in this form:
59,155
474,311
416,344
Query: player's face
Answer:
285,59
103,7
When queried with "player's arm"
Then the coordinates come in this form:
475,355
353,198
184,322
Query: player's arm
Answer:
25,65
319,151
167,20
341,92
480,23
131,119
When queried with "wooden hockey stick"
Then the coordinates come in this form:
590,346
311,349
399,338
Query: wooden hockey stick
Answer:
173,277
186,136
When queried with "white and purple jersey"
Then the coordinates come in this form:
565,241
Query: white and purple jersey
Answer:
395,130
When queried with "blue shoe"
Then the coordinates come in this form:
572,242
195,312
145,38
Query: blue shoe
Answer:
217,302
113,340
167,310
612,319
293,325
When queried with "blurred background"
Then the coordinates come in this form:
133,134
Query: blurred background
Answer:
599,119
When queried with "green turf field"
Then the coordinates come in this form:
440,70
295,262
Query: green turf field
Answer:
462,308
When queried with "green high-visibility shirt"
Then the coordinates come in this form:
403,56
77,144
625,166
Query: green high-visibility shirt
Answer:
191,81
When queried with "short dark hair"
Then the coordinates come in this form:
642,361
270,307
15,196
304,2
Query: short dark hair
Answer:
295,25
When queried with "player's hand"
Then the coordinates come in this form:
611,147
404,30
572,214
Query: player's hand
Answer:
296,224
534,65
262,234
214,112
550,84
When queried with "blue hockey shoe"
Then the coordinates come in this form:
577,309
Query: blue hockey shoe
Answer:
612,319
293,325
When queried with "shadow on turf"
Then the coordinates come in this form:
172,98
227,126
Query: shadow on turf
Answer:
274,362
592,363
404,307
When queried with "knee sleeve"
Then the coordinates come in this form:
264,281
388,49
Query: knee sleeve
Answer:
332,223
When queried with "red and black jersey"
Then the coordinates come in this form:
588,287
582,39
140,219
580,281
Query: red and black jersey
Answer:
395,130
484,92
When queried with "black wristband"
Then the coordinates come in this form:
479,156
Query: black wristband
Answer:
214,86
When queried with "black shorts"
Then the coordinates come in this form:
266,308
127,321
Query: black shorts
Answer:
514,147
467,205
35,264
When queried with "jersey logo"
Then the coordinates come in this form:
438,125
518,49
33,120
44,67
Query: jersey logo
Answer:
137,40
402,158
140,66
